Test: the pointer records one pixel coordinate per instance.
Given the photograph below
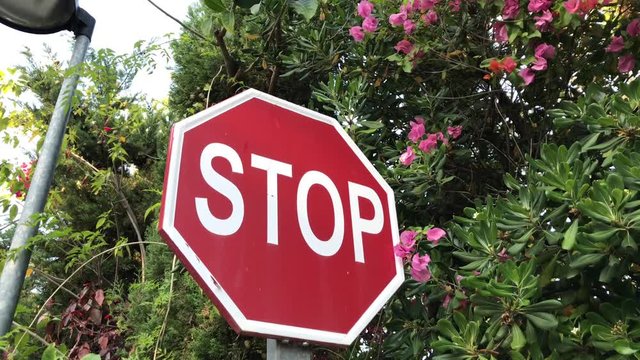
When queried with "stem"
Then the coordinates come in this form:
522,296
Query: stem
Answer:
166,314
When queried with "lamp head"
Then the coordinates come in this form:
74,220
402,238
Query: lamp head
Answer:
38,16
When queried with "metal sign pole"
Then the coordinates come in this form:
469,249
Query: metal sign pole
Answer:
278,350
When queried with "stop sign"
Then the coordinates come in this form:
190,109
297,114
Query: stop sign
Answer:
281,219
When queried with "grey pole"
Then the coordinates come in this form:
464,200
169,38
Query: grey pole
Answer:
277,350
15,267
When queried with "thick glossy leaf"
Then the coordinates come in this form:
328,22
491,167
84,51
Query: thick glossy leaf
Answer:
544,321
518,340
570,236
586,260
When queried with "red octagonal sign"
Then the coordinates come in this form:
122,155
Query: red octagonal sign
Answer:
281,219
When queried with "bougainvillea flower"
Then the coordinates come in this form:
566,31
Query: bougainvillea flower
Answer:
431,17
435,234
454,131
539,5
626,63
543,22
429,144
417,130
546,51
572,6
107,129
402,251
511,9
508,64
420,268
408,156
365,8
495,66
357,33
454,5
540,64
404,46
397,19
427,4
408,238
409,27
370,24
616,45
500,33
633,29
527,75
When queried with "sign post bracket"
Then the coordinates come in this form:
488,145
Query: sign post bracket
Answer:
278,350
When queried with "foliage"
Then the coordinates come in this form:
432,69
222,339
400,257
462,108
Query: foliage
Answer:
511,124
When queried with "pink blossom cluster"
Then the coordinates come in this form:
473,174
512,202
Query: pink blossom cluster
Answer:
429,143
626,62
369,22
542,53
407,250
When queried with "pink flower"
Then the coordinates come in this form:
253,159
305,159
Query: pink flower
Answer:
408,156
454,131
365,8
539,5
409,27
420,268
404,46
397,19
447,299
546,51
508,64
616,45
633,29
454,5
357,33
459,278
626,63
540,64
370,24
417,129
435,234
527,75
572,6
402,251
408,238
431,17
427,4
503,256
511,9
543,22
429,144
500,32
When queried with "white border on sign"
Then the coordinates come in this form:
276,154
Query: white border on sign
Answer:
260,327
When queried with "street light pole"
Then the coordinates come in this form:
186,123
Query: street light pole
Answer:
15,267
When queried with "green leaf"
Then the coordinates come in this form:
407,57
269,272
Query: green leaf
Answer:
518,340
49,353
623,347
215,5
13,212
247,4
570,236
546,305
228,21
586,260
306,8
541,320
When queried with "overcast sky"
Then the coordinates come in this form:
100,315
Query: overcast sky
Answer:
119,24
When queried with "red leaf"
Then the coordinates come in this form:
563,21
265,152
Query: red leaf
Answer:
99,296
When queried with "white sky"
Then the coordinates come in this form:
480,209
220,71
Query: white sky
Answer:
119,24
